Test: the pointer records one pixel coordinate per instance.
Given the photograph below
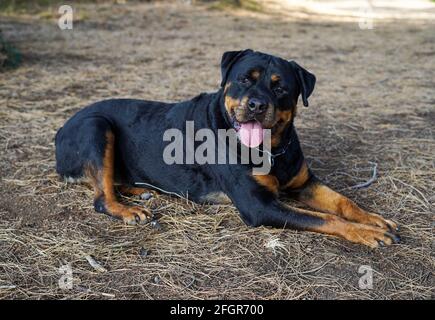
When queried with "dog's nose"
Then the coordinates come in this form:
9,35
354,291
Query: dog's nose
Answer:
257,105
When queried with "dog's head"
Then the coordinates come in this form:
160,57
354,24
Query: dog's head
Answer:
261,92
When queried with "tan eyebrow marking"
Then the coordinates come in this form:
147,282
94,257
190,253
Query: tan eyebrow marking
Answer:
255,74
275,77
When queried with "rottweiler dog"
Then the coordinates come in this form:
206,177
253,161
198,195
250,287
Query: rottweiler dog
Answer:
120,142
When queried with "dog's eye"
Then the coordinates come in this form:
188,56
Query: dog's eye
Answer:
279,91
244,79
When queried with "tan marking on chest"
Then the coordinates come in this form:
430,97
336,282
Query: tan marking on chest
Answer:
269,181
300,179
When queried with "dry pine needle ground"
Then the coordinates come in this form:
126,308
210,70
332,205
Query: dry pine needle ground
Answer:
374,103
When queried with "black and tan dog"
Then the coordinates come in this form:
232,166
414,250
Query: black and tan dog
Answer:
120,142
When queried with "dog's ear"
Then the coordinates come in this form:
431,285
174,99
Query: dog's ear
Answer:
306,81
228,60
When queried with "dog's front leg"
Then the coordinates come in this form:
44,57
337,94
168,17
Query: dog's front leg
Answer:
309,190
258,205
321,197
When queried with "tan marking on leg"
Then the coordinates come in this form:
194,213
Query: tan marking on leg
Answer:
131,191
268,181
323,198
354,232
103,183
93,177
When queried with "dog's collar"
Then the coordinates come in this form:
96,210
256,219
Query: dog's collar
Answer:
272,156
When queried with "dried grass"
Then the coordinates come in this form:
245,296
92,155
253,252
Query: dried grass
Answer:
373,103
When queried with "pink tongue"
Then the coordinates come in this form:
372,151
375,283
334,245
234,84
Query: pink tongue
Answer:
251,134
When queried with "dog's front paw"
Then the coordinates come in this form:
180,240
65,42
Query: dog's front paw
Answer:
378,221
370,236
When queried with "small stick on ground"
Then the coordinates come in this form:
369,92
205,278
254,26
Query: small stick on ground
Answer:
370,181
98,267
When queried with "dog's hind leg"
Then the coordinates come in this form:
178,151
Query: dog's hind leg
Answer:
102,179
131,191
85,150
